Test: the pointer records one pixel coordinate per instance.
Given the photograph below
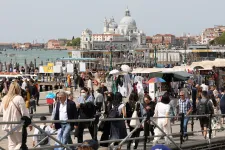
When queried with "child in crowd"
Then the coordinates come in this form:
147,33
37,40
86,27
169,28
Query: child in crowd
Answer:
40,137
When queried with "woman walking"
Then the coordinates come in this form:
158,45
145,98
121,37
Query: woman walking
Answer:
118,128
131,106
13,108
106,125
162,109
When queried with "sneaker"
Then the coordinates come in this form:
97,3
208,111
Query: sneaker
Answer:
185,138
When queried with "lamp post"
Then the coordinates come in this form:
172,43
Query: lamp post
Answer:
111,54
185,57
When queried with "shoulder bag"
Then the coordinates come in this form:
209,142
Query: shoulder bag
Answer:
135,122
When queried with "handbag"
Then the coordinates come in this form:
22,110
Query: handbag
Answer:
101,124
135,122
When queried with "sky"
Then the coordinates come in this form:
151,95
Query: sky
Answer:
41,20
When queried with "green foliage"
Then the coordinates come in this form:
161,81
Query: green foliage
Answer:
219,40
74,42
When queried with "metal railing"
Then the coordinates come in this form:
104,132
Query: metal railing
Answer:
121,141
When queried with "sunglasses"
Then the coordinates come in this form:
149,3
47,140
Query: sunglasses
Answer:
181,95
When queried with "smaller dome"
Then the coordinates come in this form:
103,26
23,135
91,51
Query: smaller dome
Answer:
113,25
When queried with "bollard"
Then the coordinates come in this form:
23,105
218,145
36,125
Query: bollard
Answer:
27,122
181,128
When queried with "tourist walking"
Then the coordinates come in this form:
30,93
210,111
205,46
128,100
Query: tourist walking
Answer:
86,108
4,87
149,106
65,110
204,107
184,107
162,109
106,125
222,104
118,128
134,105
13,108
99,99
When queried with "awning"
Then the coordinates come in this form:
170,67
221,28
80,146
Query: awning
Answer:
182,75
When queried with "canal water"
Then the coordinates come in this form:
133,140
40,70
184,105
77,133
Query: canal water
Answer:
19,56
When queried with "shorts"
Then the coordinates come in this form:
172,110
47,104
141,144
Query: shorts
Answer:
204,122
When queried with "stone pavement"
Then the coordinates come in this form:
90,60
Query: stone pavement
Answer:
44,109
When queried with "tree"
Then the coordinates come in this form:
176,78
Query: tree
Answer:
219,40
74,42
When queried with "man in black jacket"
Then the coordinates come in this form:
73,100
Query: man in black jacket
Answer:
65,110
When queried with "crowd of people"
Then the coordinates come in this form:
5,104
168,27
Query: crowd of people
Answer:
21,97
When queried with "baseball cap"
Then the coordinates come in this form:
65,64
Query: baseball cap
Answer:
160,147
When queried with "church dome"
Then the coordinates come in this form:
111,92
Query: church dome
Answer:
113,25
128,20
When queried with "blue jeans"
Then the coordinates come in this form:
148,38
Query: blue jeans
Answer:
64,134
186,119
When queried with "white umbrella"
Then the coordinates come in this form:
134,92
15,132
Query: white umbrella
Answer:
125,68
114,72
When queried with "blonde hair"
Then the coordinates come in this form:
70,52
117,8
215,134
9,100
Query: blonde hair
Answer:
14,90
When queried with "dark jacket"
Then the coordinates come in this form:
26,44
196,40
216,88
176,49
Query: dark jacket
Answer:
150,112
87,110
71,112
103,90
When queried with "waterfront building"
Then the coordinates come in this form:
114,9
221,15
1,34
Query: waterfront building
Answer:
210,34
122,36
53,44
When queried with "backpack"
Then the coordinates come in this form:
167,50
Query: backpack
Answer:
114,112
203,108
42,136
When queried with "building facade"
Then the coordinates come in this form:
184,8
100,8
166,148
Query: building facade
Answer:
124,36
53,44
210,34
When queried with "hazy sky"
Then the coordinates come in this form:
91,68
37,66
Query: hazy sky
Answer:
41,20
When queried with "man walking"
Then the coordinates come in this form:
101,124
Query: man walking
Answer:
204,107
65,110
184,107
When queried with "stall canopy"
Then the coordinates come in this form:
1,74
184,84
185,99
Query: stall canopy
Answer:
176,76
182,75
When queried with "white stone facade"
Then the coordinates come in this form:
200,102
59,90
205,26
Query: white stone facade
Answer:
124,36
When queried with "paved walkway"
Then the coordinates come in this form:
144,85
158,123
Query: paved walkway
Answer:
44,109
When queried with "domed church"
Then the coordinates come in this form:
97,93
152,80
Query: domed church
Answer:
123,36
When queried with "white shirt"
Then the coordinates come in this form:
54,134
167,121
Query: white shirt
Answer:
89,84
205,87
63,111
24,85
161,109
120,108
48,130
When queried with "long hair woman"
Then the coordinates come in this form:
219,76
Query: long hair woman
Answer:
134,105
162,109
13,108
118,128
